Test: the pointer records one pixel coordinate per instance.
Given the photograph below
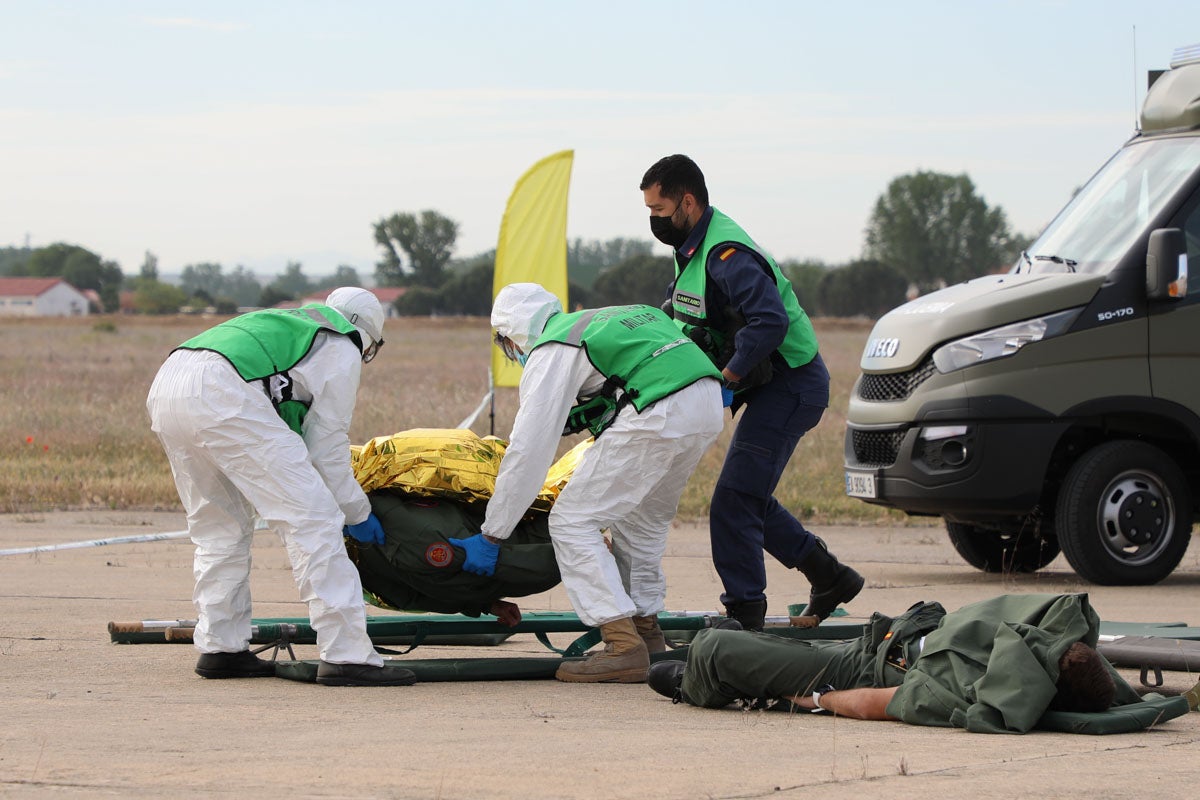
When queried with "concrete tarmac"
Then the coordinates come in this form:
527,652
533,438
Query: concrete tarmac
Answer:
82,717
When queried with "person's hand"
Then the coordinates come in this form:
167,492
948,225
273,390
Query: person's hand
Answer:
507,613
481,554
369,531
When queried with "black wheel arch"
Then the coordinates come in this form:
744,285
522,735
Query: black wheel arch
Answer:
1168,426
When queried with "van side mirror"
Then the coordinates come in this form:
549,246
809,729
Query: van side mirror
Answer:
1166,265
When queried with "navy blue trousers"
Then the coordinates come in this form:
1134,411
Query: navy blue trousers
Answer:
745,519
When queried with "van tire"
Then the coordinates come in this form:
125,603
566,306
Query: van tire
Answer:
992,550
1124,514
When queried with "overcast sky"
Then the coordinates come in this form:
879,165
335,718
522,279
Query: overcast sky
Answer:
257,133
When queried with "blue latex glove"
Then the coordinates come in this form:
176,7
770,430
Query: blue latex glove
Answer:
726,396
481,554
369,531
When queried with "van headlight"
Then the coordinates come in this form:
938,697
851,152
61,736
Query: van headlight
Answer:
1001,342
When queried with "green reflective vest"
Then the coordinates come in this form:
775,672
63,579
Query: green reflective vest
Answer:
636,348
688,295
266,343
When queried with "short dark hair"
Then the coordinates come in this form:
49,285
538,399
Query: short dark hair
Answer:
675,176
1084,681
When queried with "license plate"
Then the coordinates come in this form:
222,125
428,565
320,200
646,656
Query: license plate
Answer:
860,484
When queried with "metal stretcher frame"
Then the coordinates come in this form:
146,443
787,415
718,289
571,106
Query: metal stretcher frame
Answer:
414,630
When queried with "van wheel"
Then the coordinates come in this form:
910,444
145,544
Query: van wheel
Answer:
1124,514
992,550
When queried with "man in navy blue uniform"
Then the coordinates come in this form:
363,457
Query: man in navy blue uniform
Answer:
730,297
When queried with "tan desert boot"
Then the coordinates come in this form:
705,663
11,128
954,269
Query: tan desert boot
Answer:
624,658
651,633
1193,697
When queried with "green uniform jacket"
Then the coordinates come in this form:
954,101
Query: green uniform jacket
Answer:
991,676
415,569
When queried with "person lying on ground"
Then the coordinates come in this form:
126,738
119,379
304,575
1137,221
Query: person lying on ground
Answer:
994,666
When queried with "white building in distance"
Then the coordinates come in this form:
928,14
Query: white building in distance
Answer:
41,297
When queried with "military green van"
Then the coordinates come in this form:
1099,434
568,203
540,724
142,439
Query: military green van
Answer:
1057,406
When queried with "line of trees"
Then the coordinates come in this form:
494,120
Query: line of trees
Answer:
926,230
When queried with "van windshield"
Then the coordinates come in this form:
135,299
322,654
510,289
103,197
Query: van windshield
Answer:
1102,221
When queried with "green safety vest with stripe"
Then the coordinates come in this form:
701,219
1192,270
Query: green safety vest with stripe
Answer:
688,304
264,345
638,351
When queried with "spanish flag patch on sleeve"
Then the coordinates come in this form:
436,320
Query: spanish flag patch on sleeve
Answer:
728,252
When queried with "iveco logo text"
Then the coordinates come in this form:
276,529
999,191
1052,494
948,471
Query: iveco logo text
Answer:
882,348
1116,313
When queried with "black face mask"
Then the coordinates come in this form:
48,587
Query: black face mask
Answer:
665,231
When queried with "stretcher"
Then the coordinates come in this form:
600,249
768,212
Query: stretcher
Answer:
415,630
1149,647
1152,654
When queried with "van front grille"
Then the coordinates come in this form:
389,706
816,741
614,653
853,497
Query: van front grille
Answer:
892,386
876,448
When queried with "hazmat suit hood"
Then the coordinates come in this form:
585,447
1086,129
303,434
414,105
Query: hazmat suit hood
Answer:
521,311
362,309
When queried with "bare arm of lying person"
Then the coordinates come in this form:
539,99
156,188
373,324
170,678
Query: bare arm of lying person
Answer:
865,703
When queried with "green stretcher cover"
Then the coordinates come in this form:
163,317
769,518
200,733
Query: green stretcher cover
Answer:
431,670
1153,709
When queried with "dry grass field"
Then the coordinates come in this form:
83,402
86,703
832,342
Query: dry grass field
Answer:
76,434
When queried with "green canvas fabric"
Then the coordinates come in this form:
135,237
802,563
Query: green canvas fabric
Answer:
415,569
991,666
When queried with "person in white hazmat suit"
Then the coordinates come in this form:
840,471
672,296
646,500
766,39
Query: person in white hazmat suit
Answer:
654,402
254,415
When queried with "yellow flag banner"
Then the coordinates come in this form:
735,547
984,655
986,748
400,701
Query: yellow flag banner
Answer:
533,241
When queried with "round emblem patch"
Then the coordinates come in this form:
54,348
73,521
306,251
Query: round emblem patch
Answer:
439,554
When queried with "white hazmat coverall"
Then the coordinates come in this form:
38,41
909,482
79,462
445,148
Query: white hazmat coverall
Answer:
629,481
232,454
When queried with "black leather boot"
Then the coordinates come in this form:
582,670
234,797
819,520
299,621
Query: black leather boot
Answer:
234,665
665,677
833,583
329,674
751,614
